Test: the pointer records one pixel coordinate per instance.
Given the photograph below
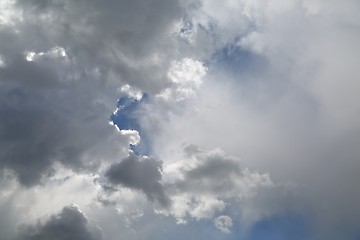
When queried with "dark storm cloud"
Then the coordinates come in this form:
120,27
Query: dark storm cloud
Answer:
69,224
140,173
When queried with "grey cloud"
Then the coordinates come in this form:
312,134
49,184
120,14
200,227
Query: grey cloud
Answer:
140,173
69,224
295,117
206,182
125,39
29,73
57,109
212,172
42,126
215,167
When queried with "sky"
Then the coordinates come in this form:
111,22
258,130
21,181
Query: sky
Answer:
179,119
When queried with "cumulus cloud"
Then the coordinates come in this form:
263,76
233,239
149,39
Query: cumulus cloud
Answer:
206,182
140,173
69,224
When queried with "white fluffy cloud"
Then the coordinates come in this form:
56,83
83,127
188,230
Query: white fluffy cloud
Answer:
186,77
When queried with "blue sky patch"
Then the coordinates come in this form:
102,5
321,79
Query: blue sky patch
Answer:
281,227
127,118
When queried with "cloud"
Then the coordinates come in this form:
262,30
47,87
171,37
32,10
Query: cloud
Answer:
131,48
43,126
223,223
207,182
140,173
213,172
186,77
69,224
272,83
60,85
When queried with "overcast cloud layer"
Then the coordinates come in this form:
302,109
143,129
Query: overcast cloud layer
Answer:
180,119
